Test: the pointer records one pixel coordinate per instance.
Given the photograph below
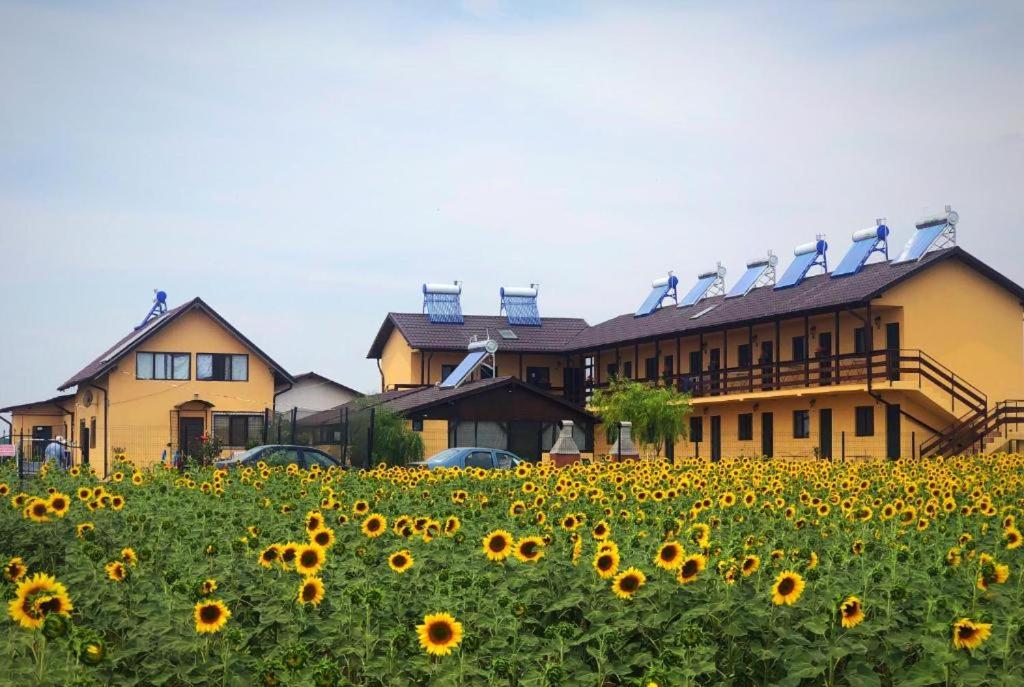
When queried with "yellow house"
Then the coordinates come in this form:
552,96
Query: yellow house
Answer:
154,393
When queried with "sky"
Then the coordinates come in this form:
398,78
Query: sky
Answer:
305,167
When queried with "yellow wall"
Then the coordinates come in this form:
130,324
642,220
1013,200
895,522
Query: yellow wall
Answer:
142,415
40,415
397,362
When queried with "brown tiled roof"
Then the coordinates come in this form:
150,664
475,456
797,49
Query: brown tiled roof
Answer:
818,293
406,401
552,336
108,358
63,398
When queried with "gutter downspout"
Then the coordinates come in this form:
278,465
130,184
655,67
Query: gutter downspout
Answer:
71,428
106,426
381,370
10,427
278,393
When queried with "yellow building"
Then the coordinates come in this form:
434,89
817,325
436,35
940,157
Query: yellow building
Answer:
152,394
921,354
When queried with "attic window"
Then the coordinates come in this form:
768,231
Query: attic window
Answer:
507,334
703,312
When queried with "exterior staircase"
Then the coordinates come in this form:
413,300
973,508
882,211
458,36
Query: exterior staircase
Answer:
987,430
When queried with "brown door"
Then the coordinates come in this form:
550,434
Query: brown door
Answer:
190,429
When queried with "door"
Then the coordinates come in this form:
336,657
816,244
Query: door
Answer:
714,364
572,381
85,439
825,433
825,357
716,438
892,350
892,431
41,436
696,367
767,361
767,435
190,429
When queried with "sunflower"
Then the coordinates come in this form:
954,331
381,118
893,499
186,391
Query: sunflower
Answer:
288,553
311,591
84,493
210,616
750,565
968,634
451,525
690,568
208,586
314,520
851,612
1013,537
601,530
529,549
606,563
669,555
84,529
59,504
400,561
375,525
128,556
117,502
322,537
498,545
116,571
36,596
787,589
628,582
439,634
360,507
270,555
15,569
37,510
991,573
309,558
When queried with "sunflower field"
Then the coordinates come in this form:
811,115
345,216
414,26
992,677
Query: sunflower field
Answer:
742,572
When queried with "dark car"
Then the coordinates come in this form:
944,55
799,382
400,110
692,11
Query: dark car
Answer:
281,454
472,457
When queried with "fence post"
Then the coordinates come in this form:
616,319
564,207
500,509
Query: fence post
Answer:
277,419
369,438
295,416
913,445
842,445
341,435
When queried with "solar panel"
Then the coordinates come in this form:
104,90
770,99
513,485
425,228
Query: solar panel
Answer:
805,257
704,282
463,370
441,301
520,306
865,242
758,271
920,242
660,289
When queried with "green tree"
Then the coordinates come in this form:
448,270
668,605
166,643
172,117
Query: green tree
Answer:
393,442
658,413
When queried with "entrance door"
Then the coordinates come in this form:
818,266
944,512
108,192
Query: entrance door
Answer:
892,350
892,431
716,438
825,357
714,364
825,432
767,435
696,367
41,436
767,361
190,429
84,439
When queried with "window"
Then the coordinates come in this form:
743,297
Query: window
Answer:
479,459
864,421
539,376
238,430
222,367
801,424
447,370
696,429
613,371
507,334
669,366
746,426
281,458
163,366
743,353
651,368
505,460
314,457
799,349
627,369
860,341
92,433
417,425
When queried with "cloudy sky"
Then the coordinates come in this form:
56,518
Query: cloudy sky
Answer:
303,167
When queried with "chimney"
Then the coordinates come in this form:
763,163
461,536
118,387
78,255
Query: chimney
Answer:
624,448
565,450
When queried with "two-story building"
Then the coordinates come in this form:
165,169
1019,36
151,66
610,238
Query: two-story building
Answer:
184,372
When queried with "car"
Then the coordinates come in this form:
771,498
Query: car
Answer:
471,457
281,454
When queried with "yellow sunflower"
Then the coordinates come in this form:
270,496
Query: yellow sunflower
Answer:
968,634
606,563
750,565
322,537
59,504
1013,537
451,525
498,545
787,589
690,568
311,591
15,569
314,520
36,596
851,612
208,586
529,549
116,571
210,616
374,525
83,529
37,510
270,555
128,556
669,556
439,634
288,552
628,582
400,561
309,558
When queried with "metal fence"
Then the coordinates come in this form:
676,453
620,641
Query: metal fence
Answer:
29,453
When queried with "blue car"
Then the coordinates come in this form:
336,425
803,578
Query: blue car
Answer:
472,457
